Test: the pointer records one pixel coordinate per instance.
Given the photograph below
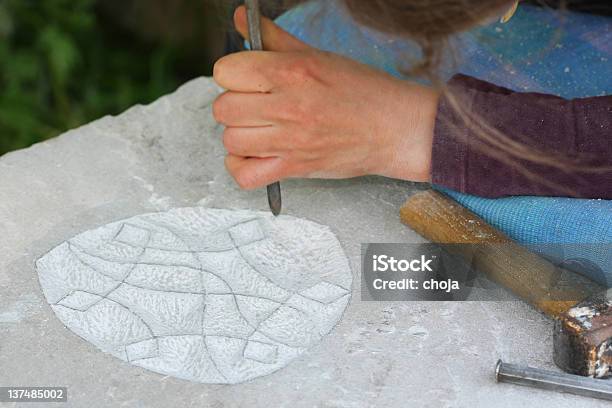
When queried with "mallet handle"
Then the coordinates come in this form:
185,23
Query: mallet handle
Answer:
442,220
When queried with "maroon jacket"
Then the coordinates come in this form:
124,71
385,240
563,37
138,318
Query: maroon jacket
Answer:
578,129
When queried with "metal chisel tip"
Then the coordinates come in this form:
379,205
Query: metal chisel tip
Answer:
274,198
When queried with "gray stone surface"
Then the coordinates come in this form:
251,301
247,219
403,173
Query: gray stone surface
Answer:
169,154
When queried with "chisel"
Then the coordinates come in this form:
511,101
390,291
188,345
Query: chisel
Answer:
550,380
256,43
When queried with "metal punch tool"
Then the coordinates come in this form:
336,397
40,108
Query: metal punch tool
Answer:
256,43
550,380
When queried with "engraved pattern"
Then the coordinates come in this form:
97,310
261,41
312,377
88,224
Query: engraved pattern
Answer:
212,296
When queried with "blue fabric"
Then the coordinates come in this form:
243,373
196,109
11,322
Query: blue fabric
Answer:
539,50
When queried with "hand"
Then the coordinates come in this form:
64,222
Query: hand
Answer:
295,111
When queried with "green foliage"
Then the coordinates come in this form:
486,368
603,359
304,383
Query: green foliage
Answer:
62,65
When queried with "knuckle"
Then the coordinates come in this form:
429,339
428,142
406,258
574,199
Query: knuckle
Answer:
229,141
219,108
238,176
219,69
299,72
228,165
294,168
285,167
216,111
241,177
299,69
244,180
296,111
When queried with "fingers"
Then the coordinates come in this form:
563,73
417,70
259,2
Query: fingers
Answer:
274,37
243,109
258,71
248,71
252,142
265,71
251,173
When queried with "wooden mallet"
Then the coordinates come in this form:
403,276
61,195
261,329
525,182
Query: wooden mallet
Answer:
582,309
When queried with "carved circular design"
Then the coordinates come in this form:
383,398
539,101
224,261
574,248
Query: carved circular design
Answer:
213,296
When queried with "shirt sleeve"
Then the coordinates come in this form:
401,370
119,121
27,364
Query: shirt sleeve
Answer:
577,134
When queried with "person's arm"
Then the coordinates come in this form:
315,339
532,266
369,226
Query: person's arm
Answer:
579,128
294,111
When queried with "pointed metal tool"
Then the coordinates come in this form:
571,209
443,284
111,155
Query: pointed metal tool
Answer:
256,43
551,380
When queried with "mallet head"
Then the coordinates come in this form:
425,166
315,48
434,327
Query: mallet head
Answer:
583,337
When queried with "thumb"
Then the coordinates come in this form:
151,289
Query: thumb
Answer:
274,37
